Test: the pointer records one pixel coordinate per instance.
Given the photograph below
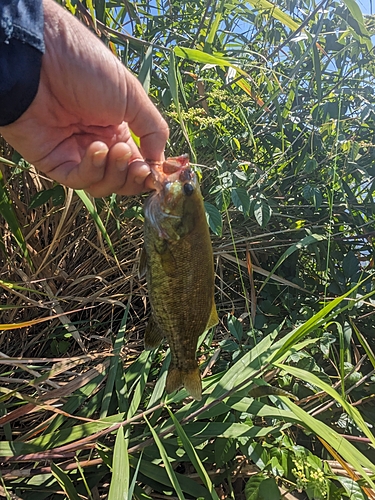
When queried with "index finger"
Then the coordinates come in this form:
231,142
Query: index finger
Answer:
145,121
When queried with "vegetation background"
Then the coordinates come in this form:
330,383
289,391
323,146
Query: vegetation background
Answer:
275,104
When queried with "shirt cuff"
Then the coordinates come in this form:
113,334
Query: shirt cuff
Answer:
21,51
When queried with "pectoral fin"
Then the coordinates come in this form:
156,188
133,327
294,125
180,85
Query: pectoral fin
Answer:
142,268
153,335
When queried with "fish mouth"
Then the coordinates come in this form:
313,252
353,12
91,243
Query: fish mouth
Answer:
170,178
168,170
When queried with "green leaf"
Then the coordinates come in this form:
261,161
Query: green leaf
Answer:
158,474
193,456
320,318
275,12
225,450
245,367
262,211
305,242
166,462
253,486
140,370
144,75
344,448
65,482
241,199
205,58
40,198
133,483
119,487
7,211
98,221
350,265
215,24
214,219
57,194
357,15
352,488
173,87
347,407
268,490
235,327
314,194
115,363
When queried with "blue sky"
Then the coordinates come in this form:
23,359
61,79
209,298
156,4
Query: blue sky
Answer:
367,6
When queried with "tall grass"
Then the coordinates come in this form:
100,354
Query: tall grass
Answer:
274,104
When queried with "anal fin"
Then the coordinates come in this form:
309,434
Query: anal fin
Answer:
142,268
214,318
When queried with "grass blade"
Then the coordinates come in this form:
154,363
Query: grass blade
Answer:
144,75
314,380
141,369
119,489
275,12
6,210
65,482
173,87
194,458
115,363
305,242
95,216
167,464
133,483
338,443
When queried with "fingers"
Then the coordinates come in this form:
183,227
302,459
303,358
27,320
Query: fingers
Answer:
145,121
125,173
66,166
102,170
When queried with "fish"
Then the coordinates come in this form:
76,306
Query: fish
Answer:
177,260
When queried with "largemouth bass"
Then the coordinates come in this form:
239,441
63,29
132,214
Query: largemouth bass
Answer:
178,262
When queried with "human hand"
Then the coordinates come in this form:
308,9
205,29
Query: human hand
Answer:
77,128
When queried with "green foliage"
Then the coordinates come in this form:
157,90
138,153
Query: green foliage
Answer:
275,104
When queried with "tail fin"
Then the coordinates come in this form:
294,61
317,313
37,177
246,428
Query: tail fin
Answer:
191,380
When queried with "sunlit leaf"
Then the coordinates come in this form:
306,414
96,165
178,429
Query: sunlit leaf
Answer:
213,218
119,487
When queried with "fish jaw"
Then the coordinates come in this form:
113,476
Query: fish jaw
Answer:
167,170
174,179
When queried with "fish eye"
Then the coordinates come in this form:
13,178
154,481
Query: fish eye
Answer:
188,189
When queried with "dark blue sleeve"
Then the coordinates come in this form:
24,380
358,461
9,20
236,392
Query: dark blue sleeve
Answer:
21,50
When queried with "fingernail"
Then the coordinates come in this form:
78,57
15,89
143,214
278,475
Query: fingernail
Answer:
122,162
99,158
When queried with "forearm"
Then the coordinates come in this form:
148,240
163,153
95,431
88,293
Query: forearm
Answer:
21,50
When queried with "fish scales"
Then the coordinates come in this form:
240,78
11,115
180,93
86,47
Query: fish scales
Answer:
179,268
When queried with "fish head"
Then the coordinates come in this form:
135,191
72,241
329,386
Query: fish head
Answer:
176,191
